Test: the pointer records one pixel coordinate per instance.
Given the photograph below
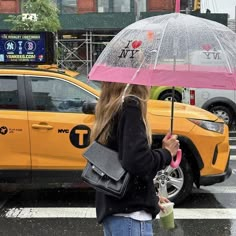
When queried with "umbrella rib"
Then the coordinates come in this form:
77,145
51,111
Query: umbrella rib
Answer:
222,49
162,36
230,51
141,64
188,43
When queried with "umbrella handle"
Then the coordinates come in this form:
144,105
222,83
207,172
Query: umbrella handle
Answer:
175,163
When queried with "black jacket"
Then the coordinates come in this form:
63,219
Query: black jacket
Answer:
128,137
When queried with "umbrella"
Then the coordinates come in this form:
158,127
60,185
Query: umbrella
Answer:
170,50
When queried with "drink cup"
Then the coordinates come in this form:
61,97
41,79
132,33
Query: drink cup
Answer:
167,217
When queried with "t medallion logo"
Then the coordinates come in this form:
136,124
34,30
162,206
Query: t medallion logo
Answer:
80,136
3,130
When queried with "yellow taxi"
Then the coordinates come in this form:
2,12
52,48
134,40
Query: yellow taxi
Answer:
46,117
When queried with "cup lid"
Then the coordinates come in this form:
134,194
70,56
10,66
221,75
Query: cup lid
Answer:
168,208
167,204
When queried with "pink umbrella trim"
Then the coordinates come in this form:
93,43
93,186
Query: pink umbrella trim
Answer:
197,77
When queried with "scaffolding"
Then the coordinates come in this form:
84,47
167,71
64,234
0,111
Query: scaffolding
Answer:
79,53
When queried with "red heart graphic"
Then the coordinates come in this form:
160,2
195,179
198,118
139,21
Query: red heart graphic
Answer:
136,44
206,47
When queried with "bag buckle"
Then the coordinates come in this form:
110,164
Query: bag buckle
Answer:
97,170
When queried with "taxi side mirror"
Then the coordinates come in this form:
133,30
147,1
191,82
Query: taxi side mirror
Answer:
89,107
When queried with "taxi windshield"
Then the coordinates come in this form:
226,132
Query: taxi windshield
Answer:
94,84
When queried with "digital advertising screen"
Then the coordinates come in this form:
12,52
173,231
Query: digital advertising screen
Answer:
26,47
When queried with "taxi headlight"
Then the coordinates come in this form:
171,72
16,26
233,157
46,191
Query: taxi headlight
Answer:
209,125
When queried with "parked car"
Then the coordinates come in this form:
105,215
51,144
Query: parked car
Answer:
220,102
46,116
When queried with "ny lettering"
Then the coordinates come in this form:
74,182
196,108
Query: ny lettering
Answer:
125,52
215,55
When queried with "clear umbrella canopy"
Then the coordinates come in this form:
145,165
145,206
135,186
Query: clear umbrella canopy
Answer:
172,50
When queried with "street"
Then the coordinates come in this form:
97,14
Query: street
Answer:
207,211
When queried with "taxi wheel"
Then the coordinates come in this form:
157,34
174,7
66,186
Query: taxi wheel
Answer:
179,181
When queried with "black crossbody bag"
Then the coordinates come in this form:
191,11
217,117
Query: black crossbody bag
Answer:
103,171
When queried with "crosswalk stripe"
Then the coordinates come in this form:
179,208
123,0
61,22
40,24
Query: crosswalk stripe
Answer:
58,212
205,213
215,189
233,157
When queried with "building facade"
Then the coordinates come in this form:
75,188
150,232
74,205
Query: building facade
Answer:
85,6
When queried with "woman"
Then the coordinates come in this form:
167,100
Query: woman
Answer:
122,110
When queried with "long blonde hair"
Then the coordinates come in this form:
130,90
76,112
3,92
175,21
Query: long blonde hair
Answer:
110,103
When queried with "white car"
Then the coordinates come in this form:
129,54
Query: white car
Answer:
220,102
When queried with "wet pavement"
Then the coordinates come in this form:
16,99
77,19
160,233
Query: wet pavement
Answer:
89,227
59,212
68,212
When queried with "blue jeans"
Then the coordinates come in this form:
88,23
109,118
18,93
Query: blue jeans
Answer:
125,226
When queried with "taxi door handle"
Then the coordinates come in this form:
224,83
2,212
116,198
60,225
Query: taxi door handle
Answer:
42,126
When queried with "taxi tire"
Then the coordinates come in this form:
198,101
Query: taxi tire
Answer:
188,181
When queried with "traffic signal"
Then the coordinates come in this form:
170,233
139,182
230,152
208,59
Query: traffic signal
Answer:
197,5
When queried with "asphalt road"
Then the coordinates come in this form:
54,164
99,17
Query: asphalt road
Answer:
68,212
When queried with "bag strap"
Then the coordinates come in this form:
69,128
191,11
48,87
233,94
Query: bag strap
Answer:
102,130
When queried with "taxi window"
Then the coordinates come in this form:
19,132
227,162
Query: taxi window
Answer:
9,98
57,95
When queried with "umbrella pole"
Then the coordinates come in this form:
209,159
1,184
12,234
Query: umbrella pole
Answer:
172,110
177,6
172,102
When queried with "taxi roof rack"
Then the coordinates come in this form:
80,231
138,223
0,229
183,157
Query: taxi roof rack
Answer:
34,67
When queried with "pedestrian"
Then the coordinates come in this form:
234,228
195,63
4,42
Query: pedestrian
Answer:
122,110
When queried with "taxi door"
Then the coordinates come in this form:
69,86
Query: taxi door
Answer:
59,130
15,163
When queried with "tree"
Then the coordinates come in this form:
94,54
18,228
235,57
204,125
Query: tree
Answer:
37,15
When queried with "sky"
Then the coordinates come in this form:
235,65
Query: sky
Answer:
219,6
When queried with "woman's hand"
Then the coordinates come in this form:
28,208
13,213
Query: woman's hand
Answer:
171,143
162,200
